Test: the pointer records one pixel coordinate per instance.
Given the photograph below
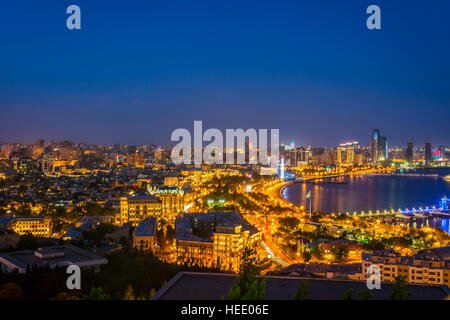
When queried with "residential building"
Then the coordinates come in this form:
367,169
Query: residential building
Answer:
135,209
172,199
429,266
144,234
214,238
37,226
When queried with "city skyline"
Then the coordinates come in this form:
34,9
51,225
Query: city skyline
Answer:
315,71
224,151
415,144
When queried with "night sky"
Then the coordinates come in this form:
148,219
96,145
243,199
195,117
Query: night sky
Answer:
139,69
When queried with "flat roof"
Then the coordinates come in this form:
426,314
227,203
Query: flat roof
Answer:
52,256
215,286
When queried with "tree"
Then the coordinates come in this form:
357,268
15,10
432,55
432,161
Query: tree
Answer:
124,243
24,210
160,238
11,291
28,241
399,291
289,223
303,291
366,295
98,234
66,296
317,254
306,256
348,294
96,294
248,286
129,294
340,253
170,233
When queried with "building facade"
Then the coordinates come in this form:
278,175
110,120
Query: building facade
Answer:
172,199
430,266
214,239
144,234
37,226
136,209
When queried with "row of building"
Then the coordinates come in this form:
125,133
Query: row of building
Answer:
206,239
38,226
429,266
352,153
165,202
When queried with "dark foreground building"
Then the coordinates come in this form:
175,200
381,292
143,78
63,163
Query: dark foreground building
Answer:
215,286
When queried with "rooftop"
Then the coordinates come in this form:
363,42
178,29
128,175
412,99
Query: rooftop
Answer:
442,252
52,256
146,228
215,286
183,225
321,268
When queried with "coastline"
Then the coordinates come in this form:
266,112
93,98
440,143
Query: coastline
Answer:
279,191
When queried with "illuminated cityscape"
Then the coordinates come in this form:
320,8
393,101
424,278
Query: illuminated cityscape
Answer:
206,216
224,151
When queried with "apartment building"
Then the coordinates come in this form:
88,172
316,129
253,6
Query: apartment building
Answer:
144,234
429,266
135,209
172,199
37,226
214,238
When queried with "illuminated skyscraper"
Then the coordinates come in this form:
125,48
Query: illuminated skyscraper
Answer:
427,153
379,147
345,153
410,152
382,149
374,145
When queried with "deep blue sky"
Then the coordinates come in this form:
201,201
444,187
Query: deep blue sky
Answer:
139,69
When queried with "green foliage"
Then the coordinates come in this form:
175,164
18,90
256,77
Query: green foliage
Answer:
340,253
248,286
11,291
98,234
399,291
24,210
129,295
365,295
288,224
303,291
93,209
143,272
306,255
66,296
348,294
28,241
317,254
125,244
96,294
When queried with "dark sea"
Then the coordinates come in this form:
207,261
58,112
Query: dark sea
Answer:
364,193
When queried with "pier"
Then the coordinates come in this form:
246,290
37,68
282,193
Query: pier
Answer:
441,211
